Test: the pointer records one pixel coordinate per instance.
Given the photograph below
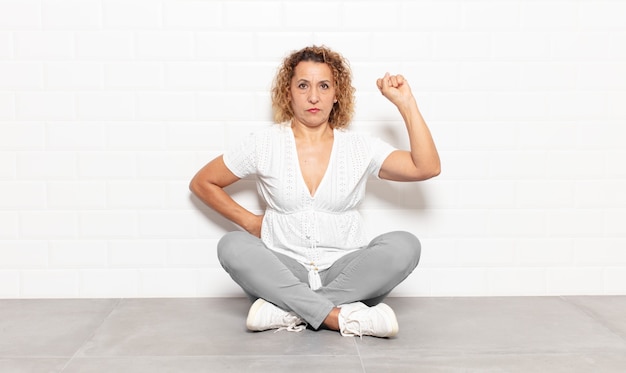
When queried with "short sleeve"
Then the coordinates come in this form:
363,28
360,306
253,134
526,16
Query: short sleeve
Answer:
241,159
380,150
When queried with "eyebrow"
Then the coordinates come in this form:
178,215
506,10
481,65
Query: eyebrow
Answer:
307,81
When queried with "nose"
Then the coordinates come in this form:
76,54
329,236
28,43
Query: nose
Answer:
314,96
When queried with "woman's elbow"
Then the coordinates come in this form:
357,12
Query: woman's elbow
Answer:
195,185
429,173
436,171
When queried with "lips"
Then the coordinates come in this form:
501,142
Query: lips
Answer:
314,110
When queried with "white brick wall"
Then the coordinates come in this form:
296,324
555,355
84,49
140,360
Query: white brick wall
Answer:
108,108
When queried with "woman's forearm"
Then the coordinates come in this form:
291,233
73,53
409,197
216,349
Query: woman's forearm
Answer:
423,150
216,198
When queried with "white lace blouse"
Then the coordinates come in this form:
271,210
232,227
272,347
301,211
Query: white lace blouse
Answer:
315,230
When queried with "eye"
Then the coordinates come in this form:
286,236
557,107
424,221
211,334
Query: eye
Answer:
325,85
302,86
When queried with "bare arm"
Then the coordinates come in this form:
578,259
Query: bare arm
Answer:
422,162
208,185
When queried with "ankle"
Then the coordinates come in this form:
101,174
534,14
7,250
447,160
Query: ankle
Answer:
332,320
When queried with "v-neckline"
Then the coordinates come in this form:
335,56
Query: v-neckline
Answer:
326,171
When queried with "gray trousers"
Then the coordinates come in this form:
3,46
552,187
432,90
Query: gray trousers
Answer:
367,275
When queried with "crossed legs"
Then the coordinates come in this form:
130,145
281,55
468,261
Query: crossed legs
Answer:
366,275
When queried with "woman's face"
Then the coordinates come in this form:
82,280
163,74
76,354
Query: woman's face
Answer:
312,93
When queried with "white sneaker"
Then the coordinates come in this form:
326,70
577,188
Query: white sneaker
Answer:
359,319
264,315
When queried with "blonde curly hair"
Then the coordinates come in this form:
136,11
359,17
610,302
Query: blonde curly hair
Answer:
342,111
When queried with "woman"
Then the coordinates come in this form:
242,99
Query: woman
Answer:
306,259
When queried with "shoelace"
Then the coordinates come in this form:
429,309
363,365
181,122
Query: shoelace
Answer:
358,332
292,324
349,325
291,328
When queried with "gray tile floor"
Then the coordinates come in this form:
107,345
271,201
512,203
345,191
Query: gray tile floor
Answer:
509,334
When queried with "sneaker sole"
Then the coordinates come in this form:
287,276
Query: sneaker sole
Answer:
252,313
392,316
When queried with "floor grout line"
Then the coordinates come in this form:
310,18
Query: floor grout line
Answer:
91,335
358,353
594,315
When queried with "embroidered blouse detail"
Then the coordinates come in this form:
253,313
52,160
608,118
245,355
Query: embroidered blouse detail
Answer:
318,229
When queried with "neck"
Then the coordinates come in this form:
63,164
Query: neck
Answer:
318,133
